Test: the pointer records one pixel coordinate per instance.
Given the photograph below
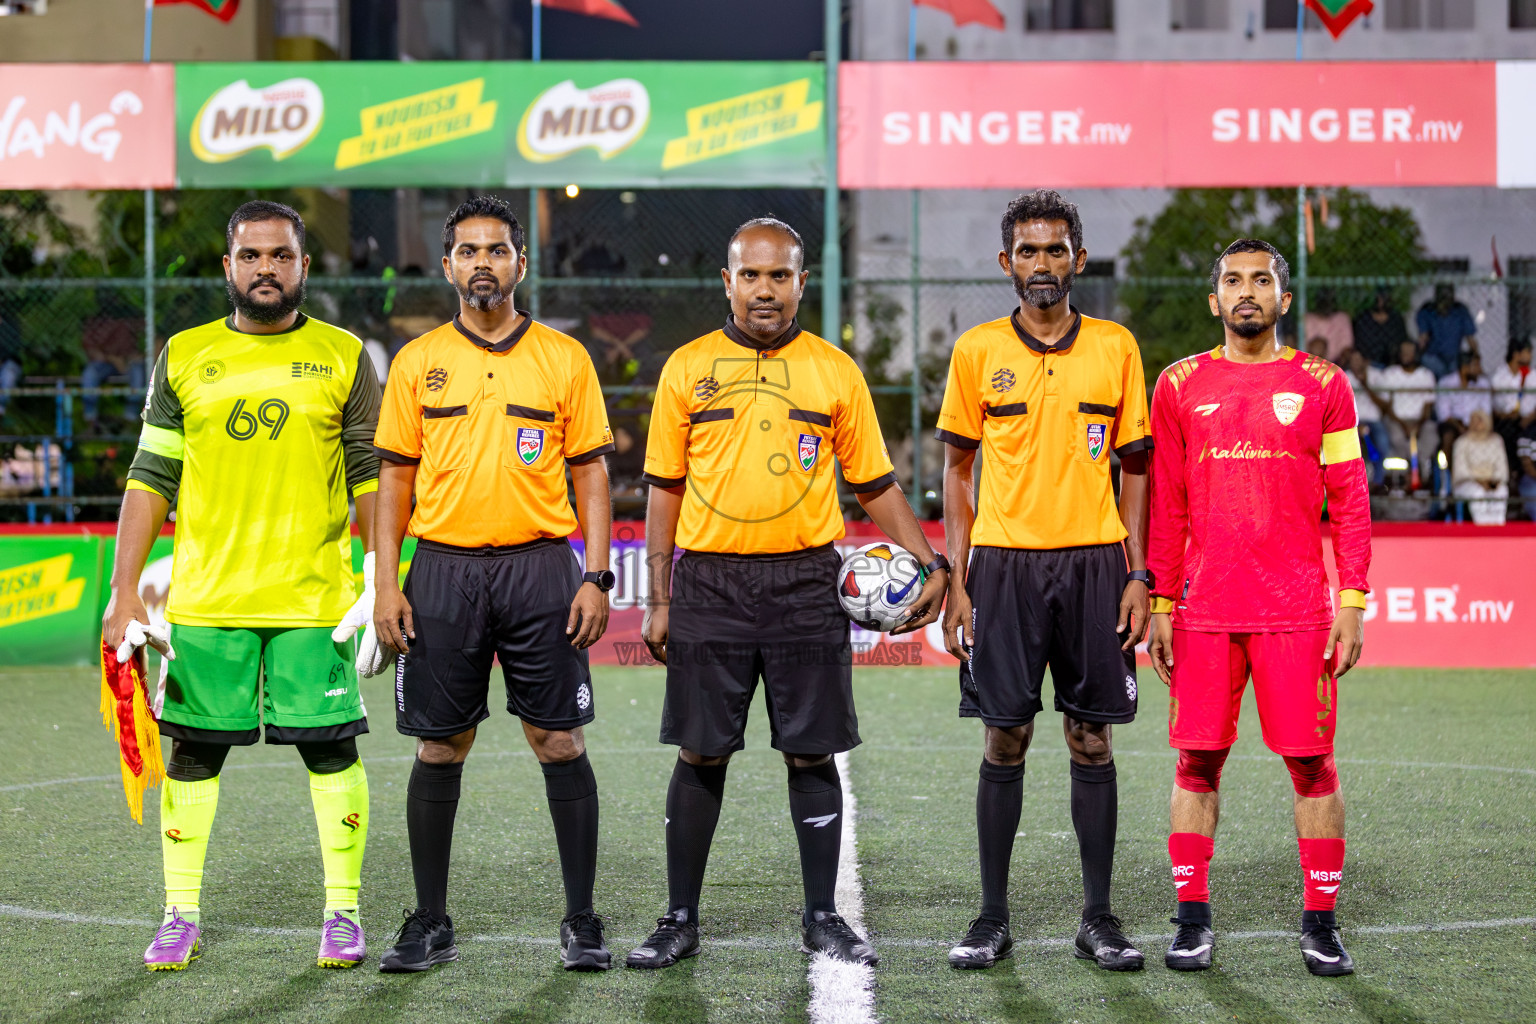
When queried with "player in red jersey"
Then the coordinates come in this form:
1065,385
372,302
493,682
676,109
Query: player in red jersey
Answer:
1251,437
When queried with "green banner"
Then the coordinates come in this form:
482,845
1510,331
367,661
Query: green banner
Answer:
595,123
54,590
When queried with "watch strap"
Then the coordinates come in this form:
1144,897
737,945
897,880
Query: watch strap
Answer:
939,562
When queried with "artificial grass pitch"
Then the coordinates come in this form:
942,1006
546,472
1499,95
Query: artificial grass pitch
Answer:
1438,773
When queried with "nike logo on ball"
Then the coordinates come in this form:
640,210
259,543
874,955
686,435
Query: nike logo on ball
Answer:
892,595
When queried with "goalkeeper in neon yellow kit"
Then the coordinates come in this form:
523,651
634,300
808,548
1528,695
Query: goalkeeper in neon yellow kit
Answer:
257,425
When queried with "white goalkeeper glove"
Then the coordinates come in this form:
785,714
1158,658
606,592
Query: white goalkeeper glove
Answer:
370,655
137,635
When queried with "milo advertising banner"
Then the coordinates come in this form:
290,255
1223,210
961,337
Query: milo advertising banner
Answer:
500,124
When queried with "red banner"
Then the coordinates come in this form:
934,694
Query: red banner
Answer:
1167,125
87,126
1442,597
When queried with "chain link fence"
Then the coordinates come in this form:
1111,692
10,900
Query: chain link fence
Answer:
634,274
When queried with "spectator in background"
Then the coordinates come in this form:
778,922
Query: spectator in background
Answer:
1446,328
10,359
1480,471
1526,447
1369,407
1514,396
1318,347
1458,396
1327,321
1380,331
1410,391
114,347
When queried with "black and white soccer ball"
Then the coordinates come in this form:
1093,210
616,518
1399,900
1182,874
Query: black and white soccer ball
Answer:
876,583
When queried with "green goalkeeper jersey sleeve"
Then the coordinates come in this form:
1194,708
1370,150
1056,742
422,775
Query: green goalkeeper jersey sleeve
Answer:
258,438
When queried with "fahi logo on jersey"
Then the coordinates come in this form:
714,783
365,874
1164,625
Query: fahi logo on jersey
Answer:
210,371
1287,406
1096,440
810,447
312,371
530,444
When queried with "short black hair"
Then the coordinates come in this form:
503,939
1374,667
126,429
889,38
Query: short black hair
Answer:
1041,204
774,223
1282,268
484,206
263,209
1516,346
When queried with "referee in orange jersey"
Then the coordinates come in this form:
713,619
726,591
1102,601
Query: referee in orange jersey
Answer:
481,419
747,424
1052,573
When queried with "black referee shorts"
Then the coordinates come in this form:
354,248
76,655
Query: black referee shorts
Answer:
1057,608
472,604
737,618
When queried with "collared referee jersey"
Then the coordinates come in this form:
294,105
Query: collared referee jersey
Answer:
753,434
491,428
1045,418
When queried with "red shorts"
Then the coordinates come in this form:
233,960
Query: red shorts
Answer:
1296,692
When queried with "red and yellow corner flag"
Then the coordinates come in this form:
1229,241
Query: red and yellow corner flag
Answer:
221,9
967,12
1337,14
594,9
125,710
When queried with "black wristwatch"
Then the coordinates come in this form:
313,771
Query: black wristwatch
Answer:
1143,576
603,579
939,562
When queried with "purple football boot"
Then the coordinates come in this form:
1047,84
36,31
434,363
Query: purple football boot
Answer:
341,941
177,943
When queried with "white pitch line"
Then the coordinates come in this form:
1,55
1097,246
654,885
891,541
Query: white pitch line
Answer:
841,992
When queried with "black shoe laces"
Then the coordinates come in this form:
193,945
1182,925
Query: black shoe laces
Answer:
417,926
983,931
667,929
587,927
1107,923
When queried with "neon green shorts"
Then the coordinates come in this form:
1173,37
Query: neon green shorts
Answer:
227,682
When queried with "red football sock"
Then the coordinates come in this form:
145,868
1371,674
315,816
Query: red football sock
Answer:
1322,871
1190,853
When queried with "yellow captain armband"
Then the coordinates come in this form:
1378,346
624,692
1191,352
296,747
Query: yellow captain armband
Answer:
139,485
1162,605
366,487
1352,599
1341,446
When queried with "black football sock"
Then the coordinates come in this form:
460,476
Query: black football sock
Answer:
572,791
693,810
431,802
1318,919
816,807
1095,815
999,801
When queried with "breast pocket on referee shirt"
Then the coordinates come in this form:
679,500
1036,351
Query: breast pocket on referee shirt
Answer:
532,437
1006,428
444,437
1094,425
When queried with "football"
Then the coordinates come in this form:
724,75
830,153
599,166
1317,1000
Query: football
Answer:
876,583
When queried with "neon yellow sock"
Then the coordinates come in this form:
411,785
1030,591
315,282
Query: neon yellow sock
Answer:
341,813
186,819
